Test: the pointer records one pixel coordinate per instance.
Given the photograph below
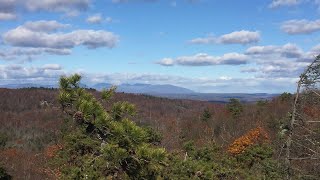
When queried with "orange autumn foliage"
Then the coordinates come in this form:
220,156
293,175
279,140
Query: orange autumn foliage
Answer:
254,136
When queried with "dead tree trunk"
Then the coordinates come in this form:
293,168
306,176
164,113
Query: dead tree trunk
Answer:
308,80
290,132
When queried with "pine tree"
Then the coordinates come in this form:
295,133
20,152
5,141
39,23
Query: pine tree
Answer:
105,143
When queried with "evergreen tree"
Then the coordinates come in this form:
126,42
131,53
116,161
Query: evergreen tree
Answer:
235,107
105,143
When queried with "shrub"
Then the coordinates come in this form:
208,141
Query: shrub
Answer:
4,175
3,140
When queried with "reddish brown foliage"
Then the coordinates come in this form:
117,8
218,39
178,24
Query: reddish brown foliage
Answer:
32,127
312,111
51,151
24,165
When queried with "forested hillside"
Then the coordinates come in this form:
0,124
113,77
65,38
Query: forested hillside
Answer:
32,122
85,134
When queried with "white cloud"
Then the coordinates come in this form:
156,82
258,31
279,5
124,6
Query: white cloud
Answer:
278,61
315,50
166,62
281,69
286,61
206,40
279,3
203,59
4,16
250,70
44,26
94,19
98,19
300,26
240,37
23,36
35,38
233,59
288,50
8,8
19,73
237,37
57,5
52,67
27,54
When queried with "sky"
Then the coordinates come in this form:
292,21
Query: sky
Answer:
209,46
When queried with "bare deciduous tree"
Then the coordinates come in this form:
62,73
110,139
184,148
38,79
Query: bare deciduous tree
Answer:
302,155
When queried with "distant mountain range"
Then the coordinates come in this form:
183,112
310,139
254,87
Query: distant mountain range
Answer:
127,88
146,88
166,90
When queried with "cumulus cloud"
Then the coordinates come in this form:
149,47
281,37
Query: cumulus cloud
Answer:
249,70
203,59
279,69
36,37
300,26
240,37
286,61
7,5
95,19
288,50
20,74
98,19
166,62
8,8
27,54
44,26
205,40
237,37
7,16
52,67
315,50
272,61
279,3
57,5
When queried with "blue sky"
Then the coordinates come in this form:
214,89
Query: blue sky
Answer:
204,45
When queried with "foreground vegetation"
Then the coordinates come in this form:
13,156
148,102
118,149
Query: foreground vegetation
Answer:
105,143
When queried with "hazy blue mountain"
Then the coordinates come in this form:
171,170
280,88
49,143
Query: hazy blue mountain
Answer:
146,88
153,89
101,86
166,90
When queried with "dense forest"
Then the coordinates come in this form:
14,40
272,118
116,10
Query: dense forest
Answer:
77,133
